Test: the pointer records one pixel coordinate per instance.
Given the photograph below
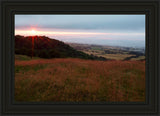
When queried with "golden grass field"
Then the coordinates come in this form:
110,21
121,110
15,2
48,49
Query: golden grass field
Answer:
113,56
71,79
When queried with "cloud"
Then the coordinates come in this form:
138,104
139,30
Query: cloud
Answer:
85,22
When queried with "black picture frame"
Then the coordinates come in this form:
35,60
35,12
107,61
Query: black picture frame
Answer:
151,8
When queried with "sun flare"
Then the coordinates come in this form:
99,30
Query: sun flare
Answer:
33,32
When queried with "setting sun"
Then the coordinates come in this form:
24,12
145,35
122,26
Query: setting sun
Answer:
33,32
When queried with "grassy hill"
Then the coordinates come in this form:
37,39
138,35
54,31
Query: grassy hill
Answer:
73,79
44,47
72,75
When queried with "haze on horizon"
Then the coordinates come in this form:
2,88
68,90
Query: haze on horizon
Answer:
113,30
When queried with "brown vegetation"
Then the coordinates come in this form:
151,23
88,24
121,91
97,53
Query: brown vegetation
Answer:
70,79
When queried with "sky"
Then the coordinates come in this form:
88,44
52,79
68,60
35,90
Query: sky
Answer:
113,30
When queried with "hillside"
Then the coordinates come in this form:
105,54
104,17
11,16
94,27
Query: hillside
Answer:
75,80
44,47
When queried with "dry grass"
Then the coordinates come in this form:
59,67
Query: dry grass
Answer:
110,56
117,56
79,80
139,58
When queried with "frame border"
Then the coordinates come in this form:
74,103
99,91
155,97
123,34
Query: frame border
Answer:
148,7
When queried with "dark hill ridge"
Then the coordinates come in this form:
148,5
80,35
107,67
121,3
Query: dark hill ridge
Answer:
45,47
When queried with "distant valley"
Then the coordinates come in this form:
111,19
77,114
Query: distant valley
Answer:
111,52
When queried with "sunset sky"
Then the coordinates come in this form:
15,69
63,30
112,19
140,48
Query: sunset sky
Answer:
115,30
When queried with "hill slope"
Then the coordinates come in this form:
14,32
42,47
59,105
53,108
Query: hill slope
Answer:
44,47
79,80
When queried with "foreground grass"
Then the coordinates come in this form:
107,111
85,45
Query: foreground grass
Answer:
79,80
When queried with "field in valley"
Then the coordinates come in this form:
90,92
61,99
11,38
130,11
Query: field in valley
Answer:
73,79
111,52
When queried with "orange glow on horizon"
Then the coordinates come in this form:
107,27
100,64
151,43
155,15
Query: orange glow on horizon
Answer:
33,32
36,32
